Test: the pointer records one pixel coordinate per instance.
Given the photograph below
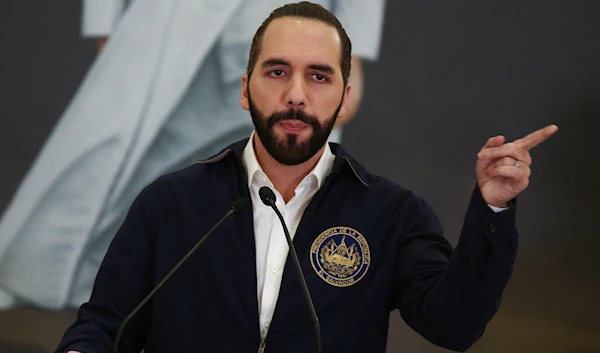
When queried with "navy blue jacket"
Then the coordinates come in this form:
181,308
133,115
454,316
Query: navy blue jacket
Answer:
210,304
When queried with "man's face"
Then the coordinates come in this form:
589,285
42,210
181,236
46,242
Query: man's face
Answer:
296,90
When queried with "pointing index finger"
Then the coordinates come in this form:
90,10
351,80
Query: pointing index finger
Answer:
535,138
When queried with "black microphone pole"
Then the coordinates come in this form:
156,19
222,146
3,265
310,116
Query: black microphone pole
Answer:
239,206
268,198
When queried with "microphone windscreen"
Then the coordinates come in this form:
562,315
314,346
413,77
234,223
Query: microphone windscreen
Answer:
241,205
267,196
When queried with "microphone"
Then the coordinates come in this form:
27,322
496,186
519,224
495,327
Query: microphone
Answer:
268,198
239,206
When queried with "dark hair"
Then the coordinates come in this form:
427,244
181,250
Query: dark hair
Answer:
307,10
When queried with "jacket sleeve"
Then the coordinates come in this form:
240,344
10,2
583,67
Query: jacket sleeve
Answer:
363,22
98,17
450,296
123,280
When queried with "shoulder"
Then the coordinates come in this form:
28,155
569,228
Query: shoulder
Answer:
393,199
373,184
403,199
203,177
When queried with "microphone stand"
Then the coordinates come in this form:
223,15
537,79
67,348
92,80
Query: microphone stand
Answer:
238,206
268,198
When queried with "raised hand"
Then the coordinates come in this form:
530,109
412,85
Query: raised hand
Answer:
503,169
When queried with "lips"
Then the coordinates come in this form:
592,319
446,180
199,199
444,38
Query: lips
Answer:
293,126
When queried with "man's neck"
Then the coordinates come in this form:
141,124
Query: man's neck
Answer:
285,178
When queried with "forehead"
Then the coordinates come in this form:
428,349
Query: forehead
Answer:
300,38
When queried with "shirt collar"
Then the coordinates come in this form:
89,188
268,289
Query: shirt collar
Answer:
320,171
343,162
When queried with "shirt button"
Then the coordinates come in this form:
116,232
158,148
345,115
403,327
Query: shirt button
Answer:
267,325
274,270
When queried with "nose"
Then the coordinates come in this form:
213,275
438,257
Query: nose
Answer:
295,95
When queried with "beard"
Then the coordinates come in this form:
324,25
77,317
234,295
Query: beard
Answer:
289,151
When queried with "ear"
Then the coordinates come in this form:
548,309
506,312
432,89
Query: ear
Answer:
345,99
244,96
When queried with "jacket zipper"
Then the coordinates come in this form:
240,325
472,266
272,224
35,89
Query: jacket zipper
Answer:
261,346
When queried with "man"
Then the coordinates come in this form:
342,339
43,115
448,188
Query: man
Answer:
163,93
366,245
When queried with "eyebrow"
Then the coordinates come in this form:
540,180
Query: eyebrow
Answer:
274,62
324,68
277,61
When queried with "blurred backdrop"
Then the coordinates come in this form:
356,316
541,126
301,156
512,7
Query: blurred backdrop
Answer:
450,75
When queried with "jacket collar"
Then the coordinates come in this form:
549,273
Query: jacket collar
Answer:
343,164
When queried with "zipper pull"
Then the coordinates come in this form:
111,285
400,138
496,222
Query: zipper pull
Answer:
261,346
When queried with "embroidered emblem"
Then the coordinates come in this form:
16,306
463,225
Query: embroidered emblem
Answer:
340,256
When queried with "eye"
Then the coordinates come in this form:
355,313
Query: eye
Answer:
320,78
276,73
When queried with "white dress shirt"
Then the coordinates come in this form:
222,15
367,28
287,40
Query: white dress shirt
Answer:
271,245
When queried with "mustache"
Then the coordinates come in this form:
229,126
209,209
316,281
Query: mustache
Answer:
292,114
